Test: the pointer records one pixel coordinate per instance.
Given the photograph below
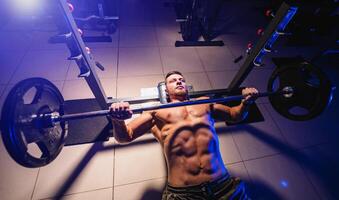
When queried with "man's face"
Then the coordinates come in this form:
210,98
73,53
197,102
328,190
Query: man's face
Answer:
176,85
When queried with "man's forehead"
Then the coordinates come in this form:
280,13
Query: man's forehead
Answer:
175,76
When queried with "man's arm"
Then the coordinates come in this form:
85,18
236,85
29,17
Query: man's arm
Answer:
230,114
137,127
235,113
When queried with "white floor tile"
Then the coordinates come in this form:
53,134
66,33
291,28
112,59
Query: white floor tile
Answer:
183,59
97,33
79,89
110,86
279,177
222,79
238,50
17,182
302,134
139,162
13,40
9,62
102,194
77,169
139,61
321,164
228,148
150,189
52,65
238,170
137,36
40,41
217,58
258,139
18,24
167,35
130,86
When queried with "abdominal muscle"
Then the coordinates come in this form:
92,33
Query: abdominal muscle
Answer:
192,153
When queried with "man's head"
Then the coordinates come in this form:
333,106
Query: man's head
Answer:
176,87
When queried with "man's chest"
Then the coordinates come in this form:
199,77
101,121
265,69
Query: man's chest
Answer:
182,114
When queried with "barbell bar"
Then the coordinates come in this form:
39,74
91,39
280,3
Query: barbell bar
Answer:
54,117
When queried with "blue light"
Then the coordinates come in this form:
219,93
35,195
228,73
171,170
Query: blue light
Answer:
27,7
284,183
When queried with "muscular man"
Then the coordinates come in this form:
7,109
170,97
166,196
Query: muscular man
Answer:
188,138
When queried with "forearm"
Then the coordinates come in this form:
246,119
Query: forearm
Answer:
122,133
240,112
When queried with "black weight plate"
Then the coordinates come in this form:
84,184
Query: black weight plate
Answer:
29,145
312,91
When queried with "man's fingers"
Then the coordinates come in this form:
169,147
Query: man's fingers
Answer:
125,105
114,107
250,94
249,91
120,110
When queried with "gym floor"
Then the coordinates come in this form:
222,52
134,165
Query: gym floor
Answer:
277,158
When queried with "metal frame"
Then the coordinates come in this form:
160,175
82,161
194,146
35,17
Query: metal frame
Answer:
264,45
78,52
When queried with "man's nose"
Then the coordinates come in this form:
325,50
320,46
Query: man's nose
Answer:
179,83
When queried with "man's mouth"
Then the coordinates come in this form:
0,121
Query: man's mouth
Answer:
180,87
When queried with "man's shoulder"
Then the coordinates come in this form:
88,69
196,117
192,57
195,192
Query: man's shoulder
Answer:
203,97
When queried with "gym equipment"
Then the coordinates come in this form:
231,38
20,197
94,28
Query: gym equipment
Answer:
35,96
194,23
69,33
99,14
256,53
41,119
313,91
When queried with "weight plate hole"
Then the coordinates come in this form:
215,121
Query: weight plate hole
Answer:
29,95
34,150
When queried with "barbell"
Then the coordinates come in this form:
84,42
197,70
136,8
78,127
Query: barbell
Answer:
34,126
50,119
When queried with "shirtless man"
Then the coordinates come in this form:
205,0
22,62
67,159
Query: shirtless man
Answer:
188,138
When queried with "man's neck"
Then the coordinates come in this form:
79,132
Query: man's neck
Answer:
179,98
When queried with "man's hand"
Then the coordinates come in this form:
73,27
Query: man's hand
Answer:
250,95
120,111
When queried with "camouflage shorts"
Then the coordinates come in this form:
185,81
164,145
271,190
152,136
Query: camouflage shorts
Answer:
220,189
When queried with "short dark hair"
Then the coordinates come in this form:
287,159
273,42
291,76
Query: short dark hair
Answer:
171,73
